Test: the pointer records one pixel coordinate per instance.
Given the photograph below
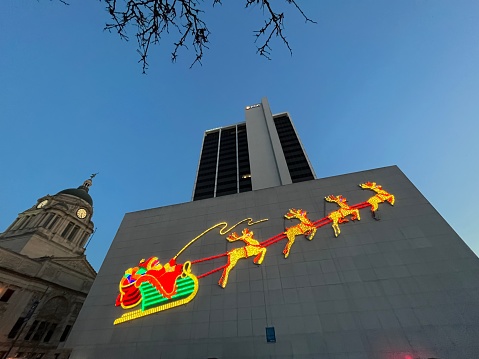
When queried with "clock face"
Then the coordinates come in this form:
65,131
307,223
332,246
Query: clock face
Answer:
81,213
42,203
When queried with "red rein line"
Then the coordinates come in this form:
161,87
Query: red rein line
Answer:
212,271
208,258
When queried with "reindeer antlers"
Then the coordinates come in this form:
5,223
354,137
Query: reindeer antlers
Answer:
336,199
292,212
368,185
234,236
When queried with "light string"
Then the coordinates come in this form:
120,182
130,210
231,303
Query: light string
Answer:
153,297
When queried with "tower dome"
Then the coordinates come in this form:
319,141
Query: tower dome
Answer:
82,191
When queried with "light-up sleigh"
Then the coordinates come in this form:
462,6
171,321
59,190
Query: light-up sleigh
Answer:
155,288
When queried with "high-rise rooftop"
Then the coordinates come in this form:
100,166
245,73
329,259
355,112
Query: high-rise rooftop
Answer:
262,152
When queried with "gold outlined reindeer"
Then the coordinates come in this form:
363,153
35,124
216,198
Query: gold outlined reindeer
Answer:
380,196
339,216
305,227
252,248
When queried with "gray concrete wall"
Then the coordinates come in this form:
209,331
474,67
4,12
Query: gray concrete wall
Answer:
406,285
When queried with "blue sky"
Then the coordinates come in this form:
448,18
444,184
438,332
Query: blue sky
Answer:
373,83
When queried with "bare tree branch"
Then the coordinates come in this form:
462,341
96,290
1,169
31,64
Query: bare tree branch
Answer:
155,18
63,2
273,26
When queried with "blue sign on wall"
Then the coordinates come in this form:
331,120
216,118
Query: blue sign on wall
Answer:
270,335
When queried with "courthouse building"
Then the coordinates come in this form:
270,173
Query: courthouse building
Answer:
268,262
44,274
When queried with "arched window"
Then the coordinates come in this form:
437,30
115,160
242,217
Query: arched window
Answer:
48,319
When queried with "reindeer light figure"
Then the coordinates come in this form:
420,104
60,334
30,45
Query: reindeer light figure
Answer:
305,227
339,216
380,196
252,248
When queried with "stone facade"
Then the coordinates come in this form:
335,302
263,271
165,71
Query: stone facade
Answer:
401,285
44,275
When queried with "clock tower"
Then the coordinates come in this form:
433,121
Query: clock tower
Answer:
44,274
57,225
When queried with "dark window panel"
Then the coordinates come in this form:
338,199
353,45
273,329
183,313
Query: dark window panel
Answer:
16,328
50,332
42,328
296,161
65,333
6,295
31,330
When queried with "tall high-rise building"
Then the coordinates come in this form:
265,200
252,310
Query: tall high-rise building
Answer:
264,151
353,266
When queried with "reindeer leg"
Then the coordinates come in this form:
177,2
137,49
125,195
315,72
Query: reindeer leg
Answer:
336,229
226,272
287,248
259,258
263,254
354,214
224,277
